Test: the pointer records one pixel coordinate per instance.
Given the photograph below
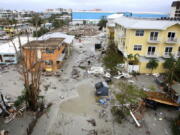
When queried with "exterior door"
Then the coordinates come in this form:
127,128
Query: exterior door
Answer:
171,36
154,36
151,50
168,50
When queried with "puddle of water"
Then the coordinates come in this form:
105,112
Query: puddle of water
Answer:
84,104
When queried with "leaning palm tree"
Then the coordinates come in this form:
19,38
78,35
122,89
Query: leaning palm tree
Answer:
152,64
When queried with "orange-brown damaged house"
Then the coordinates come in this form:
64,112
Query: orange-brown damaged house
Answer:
49,52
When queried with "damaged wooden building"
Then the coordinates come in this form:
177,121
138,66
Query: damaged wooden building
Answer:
50,50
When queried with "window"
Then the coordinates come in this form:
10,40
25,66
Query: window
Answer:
154,36
48,62
137,47
8,55
151,50
49,50
171,36
139,32
9,61
168,50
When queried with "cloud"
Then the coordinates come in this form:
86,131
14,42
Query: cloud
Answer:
117,5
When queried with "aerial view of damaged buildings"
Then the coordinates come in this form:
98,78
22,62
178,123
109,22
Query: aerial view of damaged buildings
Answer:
90,72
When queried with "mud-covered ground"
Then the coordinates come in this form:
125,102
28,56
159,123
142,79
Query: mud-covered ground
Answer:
74,102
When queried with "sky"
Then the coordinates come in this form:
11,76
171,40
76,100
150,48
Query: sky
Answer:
107,5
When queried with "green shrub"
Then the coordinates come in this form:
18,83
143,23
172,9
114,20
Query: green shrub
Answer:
112,58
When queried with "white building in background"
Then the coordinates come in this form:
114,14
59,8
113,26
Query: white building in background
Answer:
175,9
58,11
8,52
6,14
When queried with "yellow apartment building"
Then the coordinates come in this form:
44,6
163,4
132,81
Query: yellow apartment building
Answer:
150,38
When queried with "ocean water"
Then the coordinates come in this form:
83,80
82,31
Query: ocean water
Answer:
89,15
100,15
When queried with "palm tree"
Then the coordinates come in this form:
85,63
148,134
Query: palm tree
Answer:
130,58
152,64
173,67
36,21
133,60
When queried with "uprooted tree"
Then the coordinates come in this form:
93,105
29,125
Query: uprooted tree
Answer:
128,96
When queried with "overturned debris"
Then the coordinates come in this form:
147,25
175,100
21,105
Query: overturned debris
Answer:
75,74
137,123
92,121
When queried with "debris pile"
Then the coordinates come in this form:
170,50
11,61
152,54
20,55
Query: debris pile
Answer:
84,31
75,73
87,30
8,110
123,75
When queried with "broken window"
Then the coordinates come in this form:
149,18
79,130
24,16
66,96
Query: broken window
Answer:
49,50
48,62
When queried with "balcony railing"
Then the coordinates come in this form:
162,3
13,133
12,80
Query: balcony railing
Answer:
171,41
168,54
151,54
154,40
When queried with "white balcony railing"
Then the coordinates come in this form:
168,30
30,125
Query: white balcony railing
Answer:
154,40
171,40
168,54
151,54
